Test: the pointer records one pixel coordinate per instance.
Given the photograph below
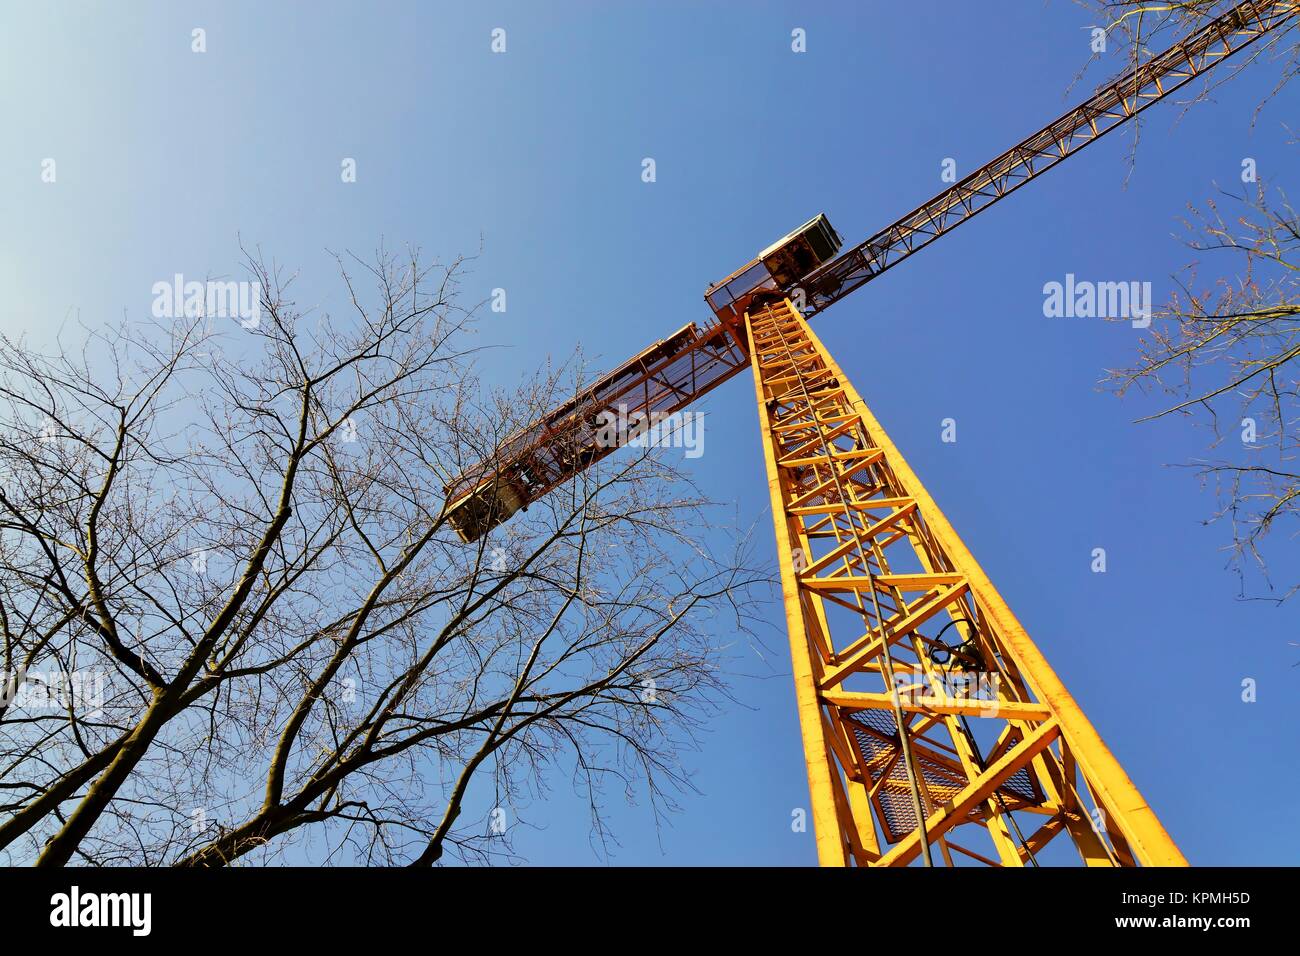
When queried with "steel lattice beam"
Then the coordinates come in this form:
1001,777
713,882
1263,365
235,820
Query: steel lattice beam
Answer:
902,762
671,374
870,568
1110,107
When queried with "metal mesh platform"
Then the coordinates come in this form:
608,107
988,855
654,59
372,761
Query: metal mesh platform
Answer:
876,734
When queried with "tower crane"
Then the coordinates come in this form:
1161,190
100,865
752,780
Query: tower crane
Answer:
933,727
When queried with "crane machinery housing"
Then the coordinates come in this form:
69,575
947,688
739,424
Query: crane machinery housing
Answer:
933,727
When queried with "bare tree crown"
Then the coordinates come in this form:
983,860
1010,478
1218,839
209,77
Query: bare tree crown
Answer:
235,620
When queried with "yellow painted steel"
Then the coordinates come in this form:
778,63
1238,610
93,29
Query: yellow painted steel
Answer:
893,625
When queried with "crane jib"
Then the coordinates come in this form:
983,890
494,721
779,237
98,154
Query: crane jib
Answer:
672,373
1110,107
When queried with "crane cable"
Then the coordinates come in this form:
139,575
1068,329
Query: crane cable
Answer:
905,744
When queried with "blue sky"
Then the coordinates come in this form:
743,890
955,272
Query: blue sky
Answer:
165,158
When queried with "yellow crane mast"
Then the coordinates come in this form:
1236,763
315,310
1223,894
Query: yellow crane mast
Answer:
867,561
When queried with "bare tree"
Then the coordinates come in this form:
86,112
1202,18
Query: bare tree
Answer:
1226,354
1225,350
237,623
1141,29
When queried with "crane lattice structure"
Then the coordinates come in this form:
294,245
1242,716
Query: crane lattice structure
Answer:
918,734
